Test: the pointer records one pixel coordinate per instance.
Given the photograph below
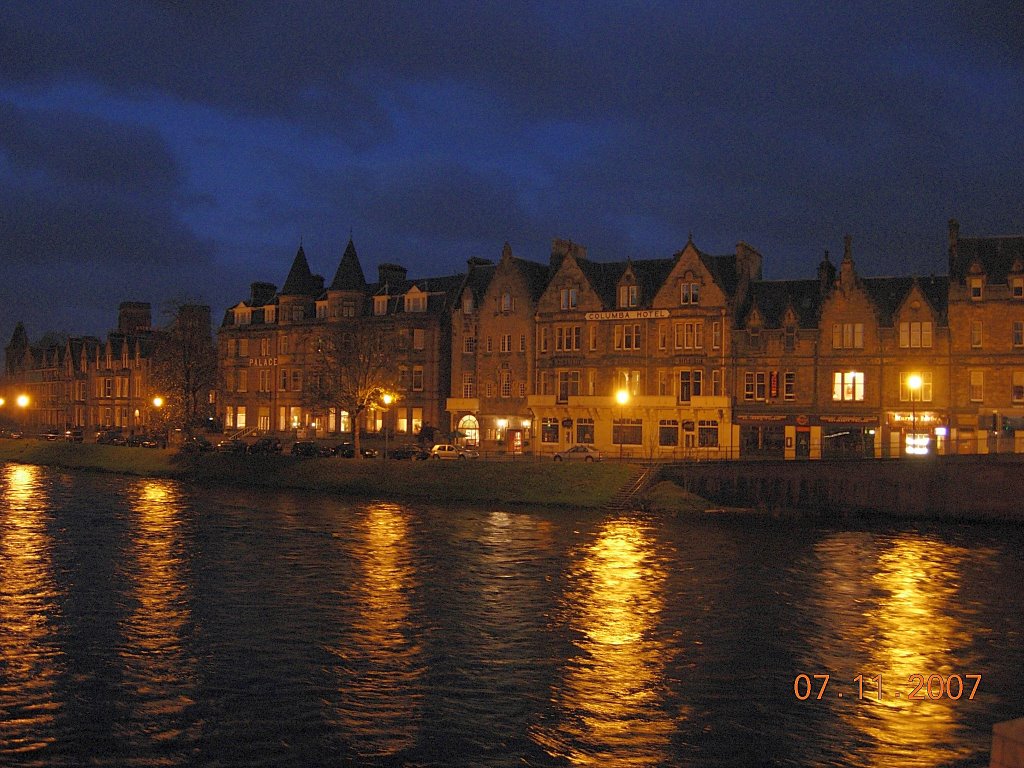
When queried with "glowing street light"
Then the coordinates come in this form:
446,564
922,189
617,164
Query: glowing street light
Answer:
621,397
23,401
914,386
158,402
387,398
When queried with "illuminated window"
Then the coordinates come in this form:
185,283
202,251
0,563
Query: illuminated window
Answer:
848,386
549,430
924,392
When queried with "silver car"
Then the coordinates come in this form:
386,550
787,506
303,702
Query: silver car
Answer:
579,453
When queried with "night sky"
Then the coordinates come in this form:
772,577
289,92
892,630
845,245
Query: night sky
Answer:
161,151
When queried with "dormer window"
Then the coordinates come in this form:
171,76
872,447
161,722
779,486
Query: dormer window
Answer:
1017,287
243,316
976,288
270,314
380,305
467,304
629,296
321,310
689,293
415,302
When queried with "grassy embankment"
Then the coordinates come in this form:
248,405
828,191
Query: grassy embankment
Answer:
523,482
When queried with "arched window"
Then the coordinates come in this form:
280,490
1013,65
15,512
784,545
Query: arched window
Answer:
470,427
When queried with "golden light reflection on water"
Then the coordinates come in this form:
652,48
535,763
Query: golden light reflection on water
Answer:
380,691
610,696
895,601
30,656
160,673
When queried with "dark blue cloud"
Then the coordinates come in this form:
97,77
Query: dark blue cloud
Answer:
216,134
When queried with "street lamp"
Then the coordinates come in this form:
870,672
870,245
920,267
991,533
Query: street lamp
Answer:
914,386
387,398
621,397
23,401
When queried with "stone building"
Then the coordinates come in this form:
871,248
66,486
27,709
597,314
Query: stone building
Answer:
493,352
84,381
268,348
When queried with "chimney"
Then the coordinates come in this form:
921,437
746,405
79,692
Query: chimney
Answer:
954,238
562,247
748,262
134,317
826,275
391,273
262,294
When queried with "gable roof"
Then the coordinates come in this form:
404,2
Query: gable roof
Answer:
773,297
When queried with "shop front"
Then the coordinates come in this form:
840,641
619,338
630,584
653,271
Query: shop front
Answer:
849,437
920,433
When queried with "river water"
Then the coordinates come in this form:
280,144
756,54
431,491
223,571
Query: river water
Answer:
150,623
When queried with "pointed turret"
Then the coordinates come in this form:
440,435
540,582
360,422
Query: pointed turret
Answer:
349,276
301,281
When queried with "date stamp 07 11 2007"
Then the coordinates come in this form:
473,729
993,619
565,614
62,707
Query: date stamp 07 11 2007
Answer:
920,687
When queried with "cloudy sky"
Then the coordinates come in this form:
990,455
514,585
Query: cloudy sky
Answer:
163,151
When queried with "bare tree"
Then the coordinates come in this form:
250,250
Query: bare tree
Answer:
183,364
355,365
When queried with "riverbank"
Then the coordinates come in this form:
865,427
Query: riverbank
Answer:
519,483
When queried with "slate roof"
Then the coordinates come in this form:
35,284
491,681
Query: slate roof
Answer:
349,276
888,293
773,297
995,254
301,281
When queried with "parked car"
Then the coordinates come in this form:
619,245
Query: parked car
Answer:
111,437
144,440
449,451
74,435
579,453
232,445
348,451
266,445
308,448
409,451
53,433
196,444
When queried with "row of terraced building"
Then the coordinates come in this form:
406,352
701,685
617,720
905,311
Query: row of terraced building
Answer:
691,356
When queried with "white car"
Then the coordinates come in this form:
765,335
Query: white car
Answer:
449,451
579,453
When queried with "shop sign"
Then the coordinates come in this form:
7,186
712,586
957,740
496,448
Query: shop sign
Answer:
629,314
853,420
761,418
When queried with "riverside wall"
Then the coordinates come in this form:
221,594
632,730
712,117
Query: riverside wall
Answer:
950,487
